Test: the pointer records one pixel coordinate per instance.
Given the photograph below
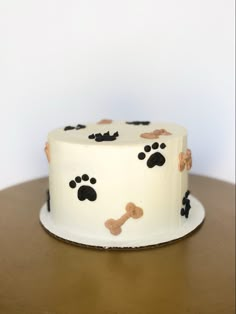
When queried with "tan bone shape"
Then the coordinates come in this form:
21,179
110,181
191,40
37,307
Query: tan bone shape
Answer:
185,160
105,121
132,211
155,134
47,151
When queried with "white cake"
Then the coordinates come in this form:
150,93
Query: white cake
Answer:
120,184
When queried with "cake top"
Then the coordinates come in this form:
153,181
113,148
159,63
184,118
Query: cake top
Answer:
108,132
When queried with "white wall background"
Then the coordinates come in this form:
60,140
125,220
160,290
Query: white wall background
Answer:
72,61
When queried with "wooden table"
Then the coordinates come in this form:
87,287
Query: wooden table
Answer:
42,275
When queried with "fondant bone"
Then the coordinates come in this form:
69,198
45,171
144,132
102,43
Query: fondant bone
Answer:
185,160
132,211
155,134
47,151
105,121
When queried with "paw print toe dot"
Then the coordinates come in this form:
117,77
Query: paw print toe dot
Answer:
78,179
72,184
93,180
155,145
141,156
147,148
163,145
85,177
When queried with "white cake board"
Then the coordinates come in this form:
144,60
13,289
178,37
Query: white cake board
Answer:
196,217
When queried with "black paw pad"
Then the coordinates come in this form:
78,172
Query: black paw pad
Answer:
156,158
139,122
77,127
106,137
85,192
186,205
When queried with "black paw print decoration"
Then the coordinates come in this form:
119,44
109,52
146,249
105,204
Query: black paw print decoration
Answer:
48,201
106,137
186,203
138,122
155,158
77,127
85,191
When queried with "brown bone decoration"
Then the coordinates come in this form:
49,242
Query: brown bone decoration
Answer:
47,151
132,211
105,121
185,160
155,134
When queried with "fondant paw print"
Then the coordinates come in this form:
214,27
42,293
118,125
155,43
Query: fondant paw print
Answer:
77,127
138,122
132,211
186,203
106,137
156,158
85,192
155,134
185,160
48,201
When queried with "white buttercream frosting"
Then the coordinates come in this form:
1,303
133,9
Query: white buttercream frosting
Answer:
121,178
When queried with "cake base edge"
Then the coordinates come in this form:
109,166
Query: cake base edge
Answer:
194,221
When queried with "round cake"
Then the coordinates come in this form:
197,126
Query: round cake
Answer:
120,184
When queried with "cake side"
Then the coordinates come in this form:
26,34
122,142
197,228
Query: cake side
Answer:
119,182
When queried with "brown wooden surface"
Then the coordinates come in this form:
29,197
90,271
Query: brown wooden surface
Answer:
42,275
